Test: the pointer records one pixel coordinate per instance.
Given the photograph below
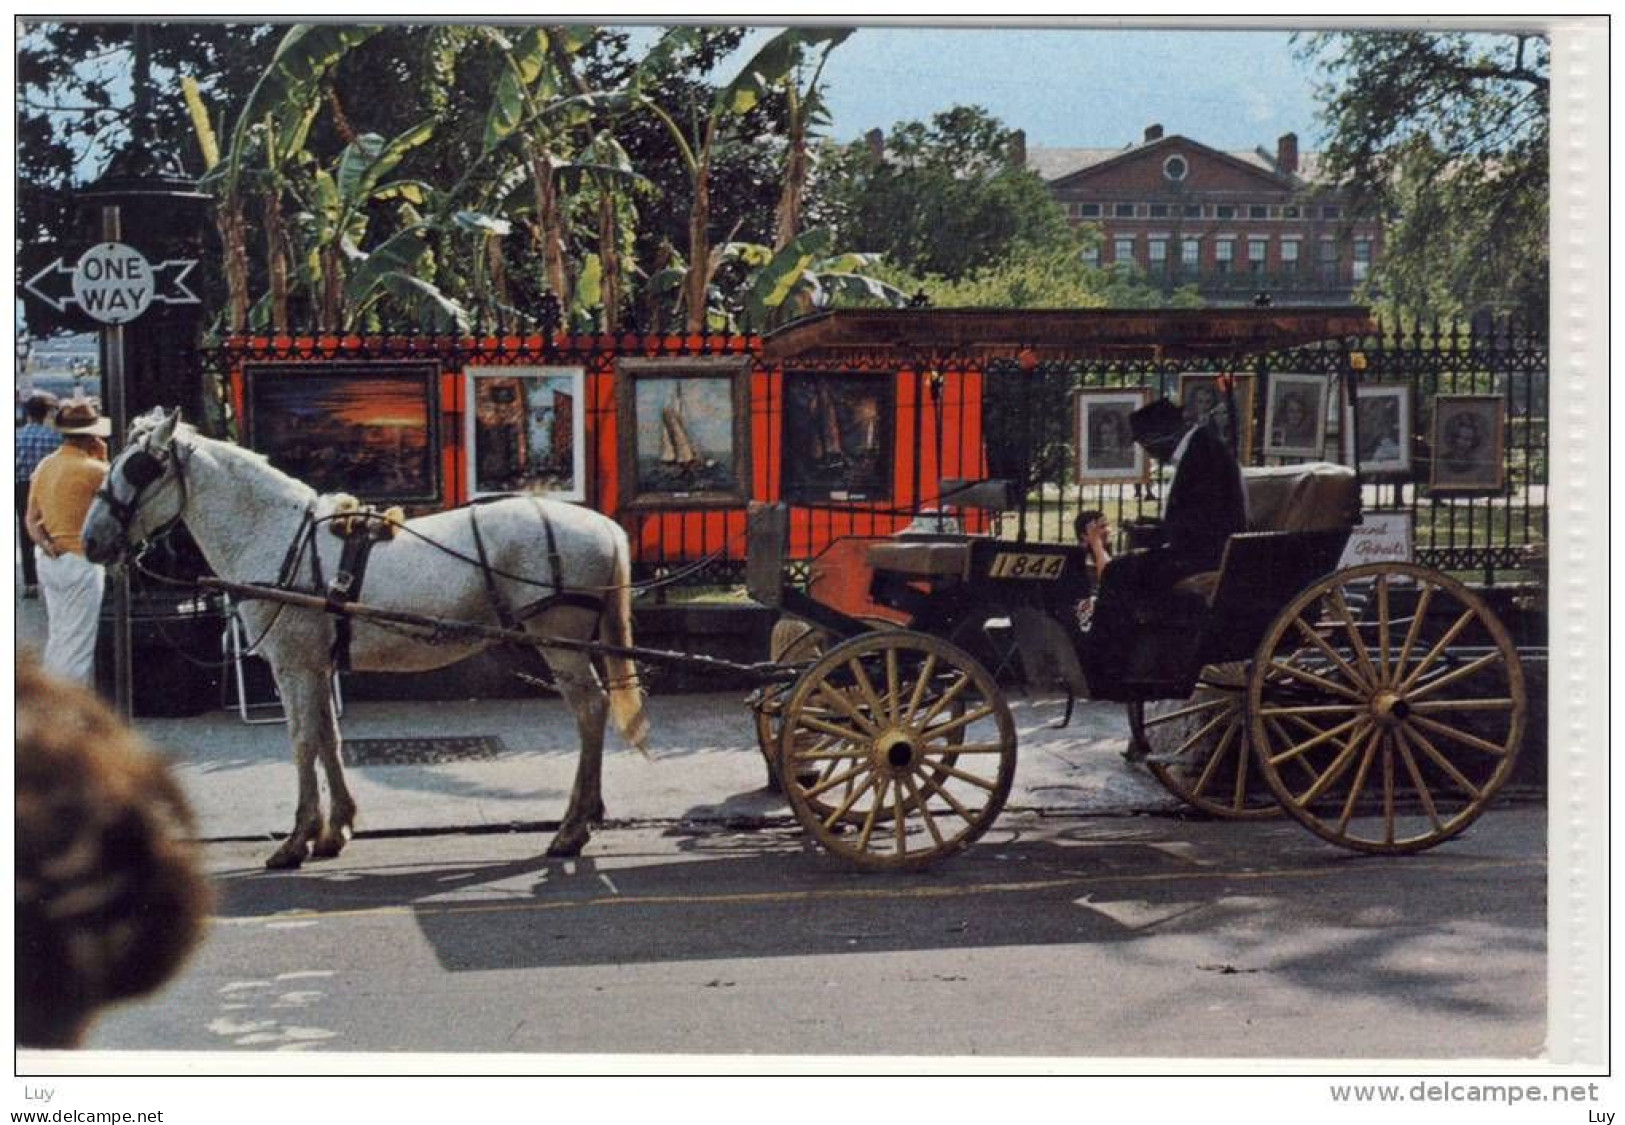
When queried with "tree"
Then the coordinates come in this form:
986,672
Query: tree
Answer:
1444,135
945,198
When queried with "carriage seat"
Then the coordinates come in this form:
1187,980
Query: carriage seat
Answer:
922,558
1316,496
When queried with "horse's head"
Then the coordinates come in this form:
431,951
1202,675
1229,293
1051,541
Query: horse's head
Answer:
145,492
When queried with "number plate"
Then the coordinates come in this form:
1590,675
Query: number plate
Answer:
1027,565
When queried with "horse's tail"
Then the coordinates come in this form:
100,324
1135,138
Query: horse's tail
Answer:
625,693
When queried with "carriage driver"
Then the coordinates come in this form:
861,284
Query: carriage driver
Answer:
1206,505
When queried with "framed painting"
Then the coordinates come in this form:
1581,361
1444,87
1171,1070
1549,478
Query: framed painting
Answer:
525,431
684,432
838,437
1202,401
367,428
1105,445
1381,423
1469,443
1295,416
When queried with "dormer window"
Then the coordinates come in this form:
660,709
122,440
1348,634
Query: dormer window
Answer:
1176,168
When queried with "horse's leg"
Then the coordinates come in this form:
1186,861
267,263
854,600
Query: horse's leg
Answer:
340,805
580,686
309,712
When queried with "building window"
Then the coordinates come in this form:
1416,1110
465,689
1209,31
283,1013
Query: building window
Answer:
1289,255
1224,211
1291,212
1330,212
1175,168
1328,259
1224,253
1157,250
1257,251
1362,259
1190,255
1089,210
1091,255
1193,210
1258,211
1123,211
1123,251
1159,210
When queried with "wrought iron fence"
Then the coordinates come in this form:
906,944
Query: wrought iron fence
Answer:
1486,536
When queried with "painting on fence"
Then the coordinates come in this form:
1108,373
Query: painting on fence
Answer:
684,432
1295,418
1381,420
525,431
1106,449
837,437
1469,443
363,428
1202,400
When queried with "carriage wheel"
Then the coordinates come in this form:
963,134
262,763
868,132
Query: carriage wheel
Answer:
1396,697
792,642
896,750
1198,747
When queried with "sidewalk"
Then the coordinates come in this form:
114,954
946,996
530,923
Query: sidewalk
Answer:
705,764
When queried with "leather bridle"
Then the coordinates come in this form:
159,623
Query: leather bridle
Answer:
141,469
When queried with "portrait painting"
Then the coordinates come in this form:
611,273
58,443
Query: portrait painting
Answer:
1381,425
1202,401
684,431
362,428
1295,416
1469,443
525,431
838,436
1105,445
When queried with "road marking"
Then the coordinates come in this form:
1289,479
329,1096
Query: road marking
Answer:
747,898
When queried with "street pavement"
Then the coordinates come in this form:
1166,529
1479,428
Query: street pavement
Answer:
704,765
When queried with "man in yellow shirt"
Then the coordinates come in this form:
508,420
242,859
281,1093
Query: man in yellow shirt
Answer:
59,498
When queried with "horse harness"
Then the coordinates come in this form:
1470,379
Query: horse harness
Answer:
361,529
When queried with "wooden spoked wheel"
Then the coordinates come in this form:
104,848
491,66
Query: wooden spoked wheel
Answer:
1199,750
896,750
1386,706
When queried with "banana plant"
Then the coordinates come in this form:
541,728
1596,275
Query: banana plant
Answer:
802,276
777,59
275,122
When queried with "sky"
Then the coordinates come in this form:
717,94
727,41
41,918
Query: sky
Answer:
1073,87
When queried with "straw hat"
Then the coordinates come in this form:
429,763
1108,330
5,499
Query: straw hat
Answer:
80,416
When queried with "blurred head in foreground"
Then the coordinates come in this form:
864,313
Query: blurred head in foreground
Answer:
110,895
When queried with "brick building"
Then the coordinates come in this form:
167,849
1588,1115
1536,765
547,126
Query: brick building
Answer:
1235,224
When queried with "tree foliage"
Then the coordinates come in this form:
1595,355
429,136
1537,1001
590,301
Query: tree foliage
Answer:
1446,136
944,198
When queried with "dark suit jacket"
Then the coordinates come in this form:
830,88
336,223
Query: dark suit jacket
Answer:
1205,504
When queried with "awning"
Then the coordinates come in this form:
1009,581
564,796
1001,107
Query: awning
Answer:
942,336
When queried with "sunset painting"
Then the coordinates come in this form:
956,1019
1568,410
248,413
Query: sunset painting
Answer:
364,428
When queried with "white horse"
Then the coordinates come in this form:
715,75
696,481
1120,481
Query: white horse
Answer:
250,520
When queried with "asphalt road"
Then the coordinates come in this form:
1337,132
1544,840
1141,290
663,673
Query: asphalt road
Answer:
1066,938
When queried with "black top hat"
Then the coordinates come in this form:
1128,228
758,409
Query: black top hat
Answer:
1158,418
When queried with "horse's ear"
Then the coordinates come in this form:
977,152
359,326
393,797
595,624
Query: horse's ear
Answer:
164,433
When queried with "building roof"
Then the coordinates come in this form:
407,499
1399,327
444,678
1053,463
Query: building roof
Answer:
1057,163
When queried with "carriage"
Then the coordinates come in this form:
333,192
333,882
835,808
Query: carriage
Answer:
1381,705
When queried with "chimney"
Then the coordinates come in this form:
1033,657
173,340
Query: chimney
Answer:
1286,154
1018,148
1153,133
876,140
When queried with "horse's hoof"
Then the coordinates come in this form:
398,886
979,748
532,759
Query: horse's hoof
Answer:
567,845
286,859
329,846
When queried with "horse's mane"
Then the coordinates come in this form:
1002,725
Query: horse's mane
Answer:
143,425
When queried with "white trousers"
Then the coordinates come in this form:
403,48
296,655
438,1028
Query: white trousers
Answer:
73,607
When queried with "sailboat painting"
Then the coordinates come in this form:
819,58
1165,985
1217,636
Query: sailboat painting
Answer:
683,432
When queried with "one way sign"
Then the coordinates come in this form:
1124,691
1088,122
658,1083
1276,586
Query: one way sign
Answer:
113,283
